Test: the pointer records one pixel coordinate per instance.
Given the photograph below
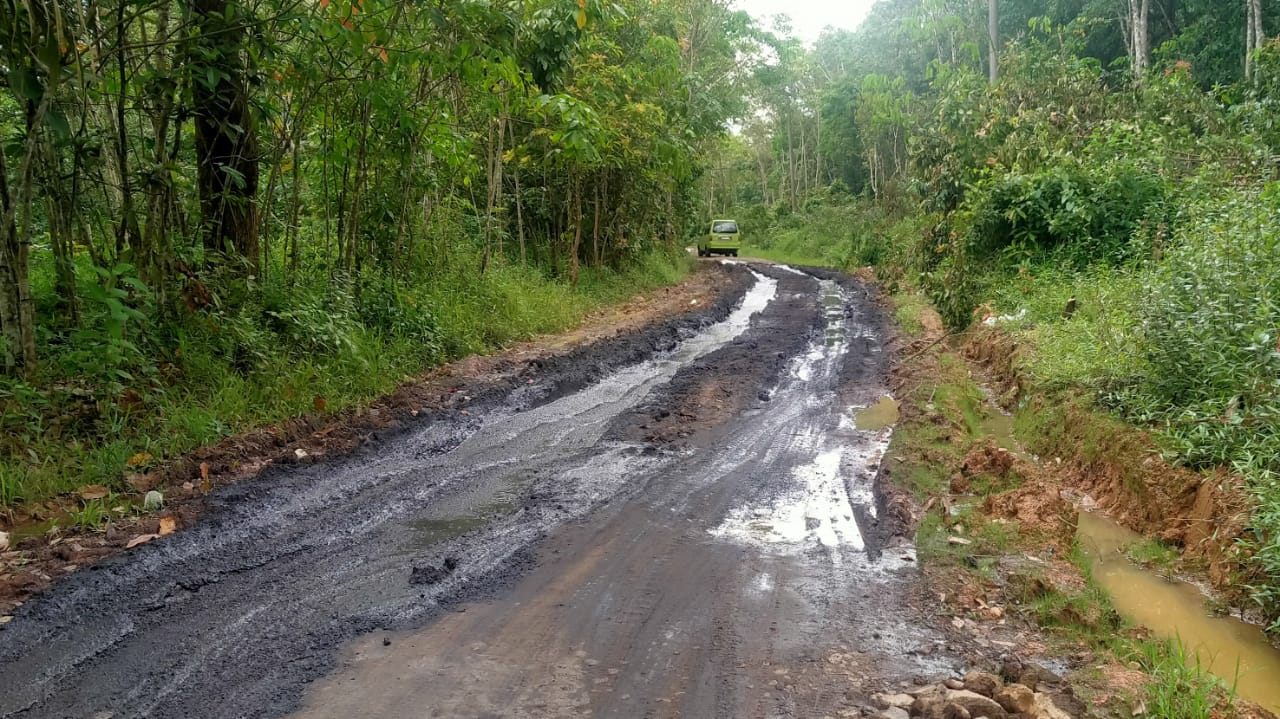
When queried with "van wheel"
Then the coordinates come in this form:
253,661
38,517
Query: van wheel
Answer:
733,253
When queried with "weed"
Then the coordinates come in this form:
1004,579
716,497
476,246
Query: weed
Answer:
1180,688
93,514
1153,554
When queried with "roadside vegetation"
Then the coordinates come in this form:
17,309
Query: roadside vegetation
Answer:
218,215
1102,188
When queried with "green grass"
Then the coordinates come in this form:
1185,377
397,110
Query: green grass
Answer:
1153,554
215,395
908,307
1180,688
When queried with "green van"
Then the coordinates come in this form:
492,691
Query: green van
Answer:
721,238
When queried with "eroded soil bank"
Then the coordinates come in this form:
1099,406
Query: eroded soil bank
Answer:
1006,487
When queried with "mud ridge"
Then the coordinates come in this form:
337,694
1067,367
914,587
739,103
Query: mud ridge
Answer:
695,405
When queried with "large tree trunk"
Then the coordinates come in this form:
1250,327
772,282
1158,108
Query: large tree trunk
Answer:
1140,46
226,146
993,37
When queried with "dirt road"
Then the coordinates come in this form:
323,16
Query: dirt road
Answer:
692,533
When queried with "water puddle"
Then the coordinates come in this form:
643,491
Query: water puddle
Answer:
815,510
878,416
822,356
1235,651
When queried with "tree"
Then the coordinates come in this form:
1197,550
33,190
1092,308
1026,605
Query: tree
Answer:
1255,34
226,138
993,37
1140,39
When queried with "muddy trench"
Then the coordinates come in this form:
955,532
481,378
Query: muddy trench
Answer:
680,521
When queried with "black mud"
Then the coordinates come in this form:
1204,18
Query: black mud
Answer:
180,627
234,616
693,408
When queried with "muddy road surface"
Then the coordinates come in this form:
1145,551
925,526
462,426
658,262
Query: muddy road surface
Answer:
692,530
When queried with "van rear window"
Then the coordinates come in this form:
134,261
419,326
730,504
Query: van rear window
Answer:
724,227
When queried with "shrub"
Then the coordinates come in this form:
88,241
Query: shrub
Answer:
1074,215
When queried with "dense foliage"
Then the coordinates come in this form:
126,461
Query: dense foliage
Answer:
1121,204
215,213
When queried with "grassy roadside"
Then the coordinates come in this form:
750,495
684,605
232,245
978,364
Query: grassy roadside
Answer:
216,382
998,542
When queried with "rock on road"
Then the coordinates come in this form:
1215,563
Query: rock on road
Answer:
694,534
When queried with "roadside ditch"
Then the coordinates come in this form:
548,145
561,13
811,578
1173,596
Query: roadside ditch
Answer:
1055,537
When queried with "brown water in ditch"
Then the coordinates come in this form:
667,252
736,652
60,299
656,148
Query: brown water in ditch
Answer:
1235,651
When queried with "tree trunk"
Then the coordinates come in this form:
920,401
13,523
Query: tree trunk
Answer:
993,36
1254,35
226,144
1139,47
17,320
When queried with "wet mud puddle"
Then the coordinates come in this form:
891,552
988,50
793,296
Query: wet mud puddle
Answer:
1235,651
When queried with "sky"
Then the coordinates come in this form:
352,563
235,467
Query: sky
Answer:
808,17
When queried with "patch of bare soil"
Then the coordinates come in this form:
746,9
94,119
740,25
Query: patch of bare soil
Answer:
539,368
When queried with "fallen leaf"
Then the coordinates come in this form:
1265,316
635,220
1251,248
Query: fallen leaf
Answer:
959,540
168,525
140,459
319,403
300,453
94,491
205,483
6,619
140,539
141,482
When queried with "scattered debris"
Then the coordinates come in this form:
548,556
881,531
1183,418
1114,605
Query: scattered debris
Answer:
91,492
141,539
153,500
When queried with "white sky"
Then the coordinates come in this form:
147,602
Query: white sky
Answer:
808,17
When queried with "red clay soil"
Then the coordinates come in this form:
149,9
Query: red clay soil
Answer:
1119,467
37,557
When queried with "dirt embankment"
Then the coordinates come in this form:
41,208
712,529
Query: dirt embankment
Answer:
526,375
1118,469
996,512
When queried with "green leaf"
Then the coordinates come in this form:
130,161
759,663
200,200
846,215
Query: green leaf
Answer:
24,82
59,125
